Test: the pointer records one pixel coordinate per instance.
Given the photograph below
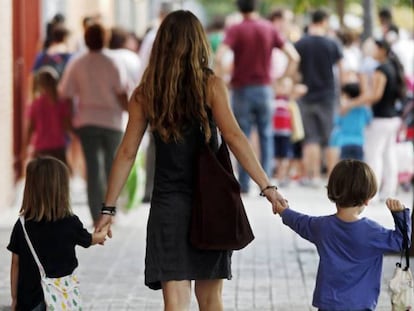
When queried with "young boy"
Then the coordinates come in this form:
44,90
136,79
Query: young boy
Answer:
350,247
351,126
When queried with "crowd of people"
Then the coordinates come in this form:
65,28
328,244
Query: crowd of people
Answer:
322,105
332,76
310,96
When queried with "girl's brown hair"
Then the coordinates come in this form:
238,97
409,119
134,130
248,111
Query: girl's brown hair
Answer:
46,191
173,86
351,183
46,81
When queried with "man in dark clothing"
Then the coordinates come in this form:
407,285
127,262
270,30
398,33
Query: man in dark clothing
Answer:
319,54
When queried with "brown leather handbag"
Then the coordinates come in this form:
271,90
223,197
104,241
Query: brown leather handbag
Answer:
219,220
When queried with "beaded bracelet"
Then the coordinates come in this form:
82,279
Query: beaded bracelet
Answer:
108,210
262,194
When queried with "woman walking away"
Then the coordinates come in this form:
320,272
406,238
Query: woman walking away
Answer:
177,96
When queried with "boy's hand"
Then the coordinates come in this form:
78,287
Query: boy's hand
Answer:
394,205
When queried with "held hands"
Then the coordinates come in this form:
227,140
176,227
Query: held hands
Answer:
103,227
394,205
279,203
100,237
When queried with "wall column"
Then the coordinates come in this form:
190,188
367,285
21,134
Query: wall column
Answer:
6,106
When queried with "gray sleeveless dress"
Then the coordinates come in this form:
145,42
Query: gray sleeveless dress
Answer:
169,254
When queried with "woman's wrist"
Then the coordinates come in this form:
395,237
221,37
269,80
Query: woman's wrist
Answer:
265,189
108,210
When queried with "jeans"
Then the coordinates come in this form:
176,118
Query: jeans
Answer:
99,147
252,105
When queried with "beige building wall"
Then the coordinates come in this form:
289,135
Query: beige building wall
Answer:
76,10
6,106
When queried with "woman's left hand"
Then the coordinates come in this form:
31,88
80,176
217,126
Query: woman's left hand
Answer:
279,203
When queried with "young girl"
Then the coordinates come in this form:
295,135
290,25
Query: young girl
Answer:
48,117
350,247
53,230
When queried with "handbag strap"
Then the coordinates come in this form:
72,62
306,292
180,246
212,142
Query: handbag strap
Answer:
42,271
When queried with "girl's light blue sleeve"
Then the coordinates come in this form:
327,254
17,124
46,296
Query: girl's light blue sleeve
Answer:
304,225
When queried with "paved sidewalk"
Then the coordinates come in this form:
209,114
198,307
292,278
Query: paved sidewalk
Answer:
276,272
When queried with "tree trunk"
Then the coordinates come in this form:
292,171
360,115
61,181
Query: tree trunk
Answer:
340,10
368,18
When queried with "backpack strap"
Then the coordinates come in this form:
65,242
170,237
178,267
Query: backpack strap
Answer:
29,243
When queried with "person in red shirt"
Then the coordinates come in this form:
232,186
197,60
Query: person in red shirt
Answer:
49,117
252,42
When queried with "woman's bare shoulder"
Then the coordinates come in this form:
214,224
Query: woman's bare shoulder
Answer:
215,85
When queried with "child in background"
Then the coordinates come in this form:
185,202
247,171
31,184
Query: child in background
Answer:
49,117
351,126
53,230
282,130
350,247
288,130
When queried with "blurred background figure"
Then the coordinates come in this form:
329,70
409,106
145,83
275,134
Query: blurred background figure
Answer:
49,118
388,86
252,41
124,56
101,89
57,21
144,53
319,54
352,125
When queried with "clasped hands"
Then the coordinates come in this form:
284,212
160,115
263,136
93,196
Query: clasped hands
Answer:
279,203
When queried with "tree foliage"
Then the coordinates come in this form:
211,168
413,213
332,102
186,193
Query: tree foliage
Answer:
222,7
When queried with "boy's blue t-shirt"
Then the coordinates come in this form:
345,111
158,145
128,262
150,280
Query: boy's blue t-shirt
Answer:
351,253
351,126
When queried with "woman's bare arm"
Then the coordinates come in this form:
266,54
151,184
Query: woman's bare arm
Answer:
127,151
124,158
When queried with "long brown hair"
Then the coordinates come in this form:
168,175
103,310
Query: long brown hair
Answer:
46,82
46,191
173,86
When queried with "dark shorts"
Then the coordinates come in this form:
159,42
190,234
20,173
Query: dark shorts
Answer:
297,150
282,146
317,118
355,152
